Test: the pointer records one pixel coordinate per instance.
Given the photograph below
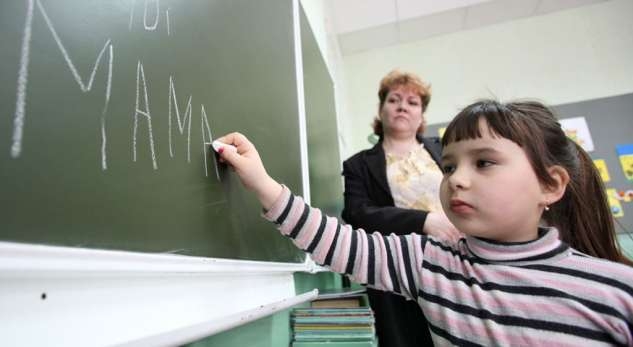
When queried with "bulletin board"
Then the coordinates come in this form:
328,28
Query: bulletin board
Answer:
610,124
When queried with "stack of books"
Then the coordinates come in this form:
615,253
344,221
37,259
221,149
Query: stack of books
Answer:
334,319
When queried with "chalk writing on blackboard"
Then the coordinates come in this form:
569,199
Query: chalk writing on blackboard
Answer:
140,75
156,16
206,143
141,111
18,123
181,122
20,103
147,25
167,17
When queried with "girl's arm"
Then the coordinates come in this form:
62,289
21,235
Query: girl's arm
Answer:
249,168
383,262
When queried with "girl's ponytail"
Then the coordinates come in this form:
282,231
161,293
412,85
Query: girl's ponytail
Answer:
583,215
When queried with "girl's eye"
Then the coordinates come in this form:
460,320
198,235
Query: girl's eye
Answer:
484,163
447,169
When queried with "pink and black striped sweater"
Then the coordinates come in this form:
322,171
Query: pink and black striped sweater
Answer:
476,292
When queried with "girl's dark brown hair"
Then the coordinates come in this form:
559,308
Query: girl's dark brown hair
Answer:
395,79
582,215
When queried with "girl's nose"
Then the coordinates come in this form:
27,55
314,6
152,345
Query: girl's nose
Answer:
459,179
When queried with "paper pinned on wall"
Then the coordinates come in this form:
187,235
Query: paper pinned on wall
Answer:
625,154
441,131
576,129
614,203
625,195
601,165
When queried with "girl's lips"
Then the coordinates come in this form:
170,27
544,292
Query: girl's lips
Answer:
460,207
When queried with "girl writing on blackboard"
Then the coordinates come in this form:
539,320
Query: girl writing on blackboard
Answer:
529,271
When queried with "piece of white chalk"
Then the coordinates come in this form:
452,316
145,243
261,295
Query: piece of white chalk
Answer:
217,145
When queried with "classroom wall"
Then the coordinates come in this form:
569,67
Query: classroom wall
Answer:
320,17
626,242
562,57
271,331
316,11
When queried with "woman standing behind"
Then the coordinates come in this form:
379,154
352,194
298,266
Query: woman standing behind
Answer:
394,188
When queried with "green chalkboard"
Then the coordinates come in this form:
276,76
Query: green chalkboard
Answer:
105,108
326,183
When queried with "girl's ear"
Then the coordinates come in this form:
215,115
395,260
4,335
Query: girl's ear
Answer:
554,192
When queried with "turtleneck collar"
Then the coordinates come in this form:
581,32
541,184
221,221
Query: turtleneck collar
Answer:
546,247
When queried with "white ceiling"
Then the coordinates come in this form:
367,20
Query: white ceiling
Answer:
365,24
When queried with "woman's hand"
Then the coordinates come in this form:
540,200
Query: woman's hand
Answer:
438,225
250,169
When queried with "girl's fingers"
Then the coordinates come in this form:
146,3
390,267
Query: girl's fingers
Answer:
238,140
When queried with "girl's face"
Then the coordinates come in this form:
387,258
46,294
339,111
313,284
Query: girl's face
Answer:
489,188
402,112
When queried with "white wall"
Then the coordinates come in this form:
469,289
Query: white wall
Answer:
563,57
318,12
321,19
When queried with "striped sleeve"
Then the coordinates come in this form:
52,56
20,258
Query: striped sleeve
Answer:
382,262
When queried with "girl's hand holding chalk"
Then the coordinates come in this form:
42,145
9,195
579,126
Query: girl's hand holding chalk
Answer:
220,146
236,150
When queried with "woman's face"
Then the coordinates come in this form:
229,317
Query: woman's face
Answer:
401,114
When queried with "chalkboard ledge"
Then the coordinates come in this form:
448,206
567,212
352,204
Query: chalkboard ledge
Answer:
116,297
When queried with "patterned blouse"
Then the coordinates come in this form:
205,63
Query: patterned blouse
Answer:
414,180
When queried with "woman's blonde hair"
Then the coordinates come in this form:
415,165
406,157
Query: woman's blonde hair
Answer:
408,80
